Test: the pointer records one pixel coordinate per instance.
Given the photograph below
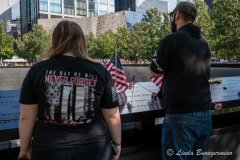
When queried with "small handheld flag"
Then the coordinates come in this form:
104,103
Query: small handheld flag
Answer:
117,73
132,82
157,81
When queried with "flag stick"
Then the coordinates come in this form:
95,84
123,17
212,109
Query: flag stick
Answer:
133,85
115,66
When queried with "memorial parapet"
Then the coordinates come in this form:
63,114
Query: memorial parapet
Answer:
9,109
135,106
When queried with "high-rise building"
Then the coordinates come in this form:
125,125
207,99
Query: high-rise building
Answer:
178,1
209,3
29,14
32,10
141,6
74,8
6,17
121,5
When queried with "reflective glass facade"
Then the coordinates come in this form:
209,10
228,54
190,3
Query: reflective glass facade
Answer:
142,5
81,8
93,8
29,10
43,5
56,6
69,7
132,17
75,8
122,5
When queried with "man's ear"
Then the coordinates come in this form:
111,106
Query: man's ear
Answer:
178,16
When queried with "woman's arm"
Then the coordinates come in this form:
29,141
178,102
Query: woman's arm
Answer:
113,120
28,115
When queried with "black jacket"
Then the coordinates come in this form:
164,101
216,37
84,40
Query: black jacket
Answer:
184,57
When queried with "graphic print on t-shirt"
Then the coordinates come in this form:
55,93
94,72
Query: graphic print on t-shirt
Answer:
114,94
71,99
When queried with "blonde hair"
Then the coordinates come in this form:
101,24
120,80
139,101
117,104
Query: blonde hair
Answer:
68,37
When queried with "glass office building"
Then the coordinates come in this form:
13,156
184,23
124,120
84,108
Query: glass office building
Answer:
28,14
32,10
142,5
74,8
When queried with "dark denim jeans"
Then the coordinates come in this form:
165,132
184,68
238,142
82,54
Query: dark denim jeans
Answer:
96,151
184,134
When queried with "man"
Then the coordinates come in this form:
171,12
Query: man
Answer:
183,57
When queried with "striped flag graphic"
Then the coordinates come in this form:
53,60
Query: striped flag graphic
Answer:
157,81
154,105
132,82
121,81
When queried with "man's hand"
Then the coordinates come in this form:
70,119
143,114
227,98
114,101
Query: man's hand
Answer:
116,157
25,154
153,97
153,94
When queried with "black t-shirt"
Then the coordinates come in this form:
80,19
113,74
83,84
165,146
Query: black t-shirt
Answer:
184,58
69,92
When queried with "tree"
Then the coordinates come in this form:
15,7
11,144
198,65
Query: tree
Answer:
105,45
226,30
123,42
91,44
34,43
136,39
203,19
6,44
151,25
166,25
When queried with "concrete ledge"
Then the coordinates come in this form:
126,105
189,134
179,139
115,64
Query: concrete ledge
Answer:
12,77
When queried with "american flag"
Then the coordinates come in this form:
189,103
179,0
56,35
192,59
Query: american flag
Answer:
132,82
121,82
157,81
154,105
122,99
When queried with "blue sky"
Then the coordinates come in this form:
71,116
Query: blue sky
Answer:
15,10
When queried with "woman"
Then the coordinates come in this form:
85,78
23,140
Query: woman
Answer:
68,94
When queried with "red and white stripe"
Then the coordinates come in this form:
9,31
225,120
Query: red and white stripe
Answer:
155,104
131,84
121,82
157,81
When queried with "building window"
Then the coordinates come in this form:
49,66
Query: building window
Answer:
43,16
32,10
81,4
103,1
55,16
28,10
69,7
93,6
81,8
93,13
81,12
112,9
102,13
43,5
112,2
103,7
56,6
93,0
